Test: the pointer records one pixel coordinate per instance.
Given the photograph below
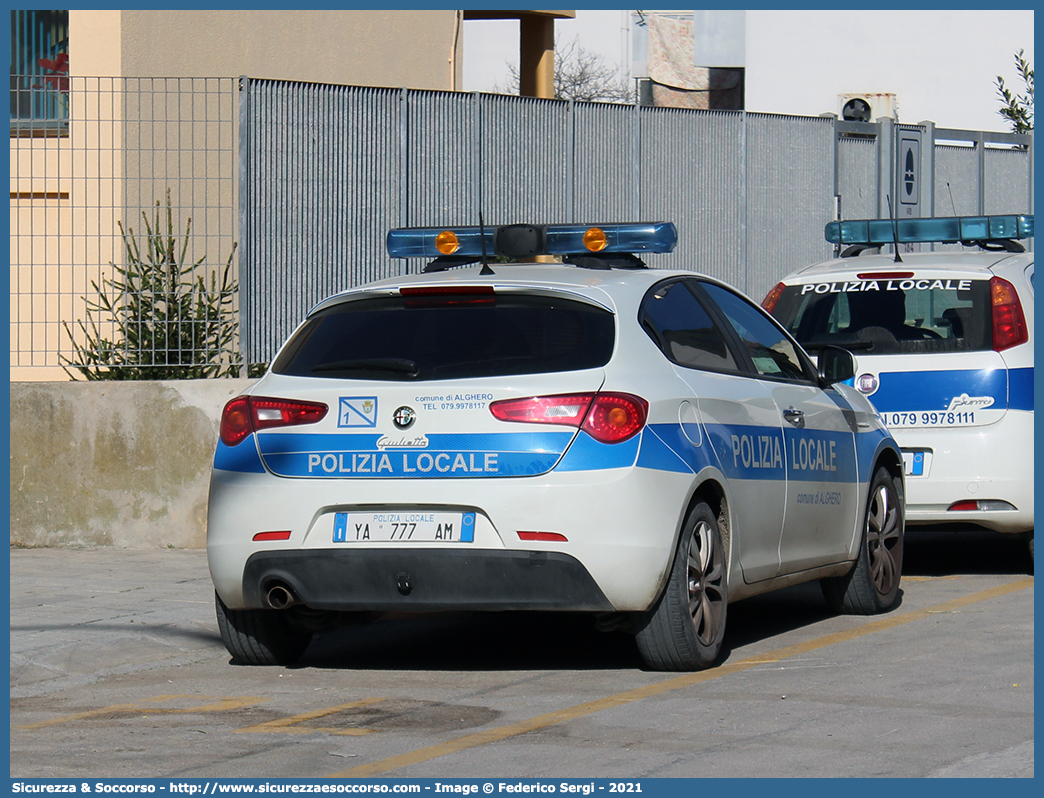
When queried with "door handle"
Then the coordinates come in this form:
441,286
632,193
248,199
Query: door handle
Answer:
795,417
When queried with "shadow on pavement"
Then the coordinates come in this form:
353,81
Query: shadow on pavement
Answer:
475,642
937,551
568,641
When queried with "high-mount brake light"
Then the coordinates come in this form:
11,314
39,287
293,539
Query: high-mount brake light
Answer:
246,414
885,275
1009,321
444,295
531,240
446,290
606,417
772,297
948,230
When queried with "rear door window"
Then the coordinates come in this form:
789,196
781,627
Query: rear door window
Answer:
888,317
449,337
771,352
673,317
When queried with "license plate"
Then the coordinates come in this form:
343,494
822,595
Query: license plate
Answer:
913,464
412,525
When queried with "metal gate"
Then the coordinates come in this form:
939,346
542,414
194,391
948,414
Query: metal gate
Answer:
326,171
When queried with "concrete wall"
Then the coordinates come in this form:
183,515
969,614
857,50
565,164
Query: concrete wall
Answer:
123,464
417,49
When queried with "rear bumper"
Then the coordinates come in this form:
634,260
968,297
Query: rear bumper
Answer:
994,462
619,527
424,581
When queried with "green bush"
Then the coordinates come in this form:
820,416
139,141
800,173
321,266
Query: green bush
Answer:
167,322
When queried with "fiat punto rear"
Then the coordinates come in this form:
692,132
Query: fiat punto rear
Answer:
944,345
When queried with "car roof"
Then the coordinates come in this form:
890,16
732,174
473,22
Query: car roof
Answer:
602,285
981,262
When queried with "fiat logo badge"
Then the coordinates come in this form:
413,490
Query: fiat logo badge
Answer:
867,383
404,417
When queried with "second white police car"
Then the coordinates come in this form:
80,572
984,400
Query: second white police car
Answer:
589,435
944,343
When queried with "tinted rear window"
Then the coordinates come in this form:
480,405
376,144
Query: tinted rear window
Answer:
450,338
890,316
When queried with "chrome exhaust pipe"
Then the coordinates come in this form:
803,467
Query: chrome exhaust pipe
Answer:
280,597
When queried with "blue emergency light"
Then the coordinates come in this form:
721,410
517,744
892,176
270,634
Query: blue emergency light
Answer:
523,240
949,230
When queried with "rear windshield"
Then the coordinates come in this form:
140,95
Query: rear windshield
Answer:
890,316
392,338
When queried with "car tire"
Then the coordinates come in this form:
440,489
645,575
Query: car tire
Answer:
872,586
260,637
684,630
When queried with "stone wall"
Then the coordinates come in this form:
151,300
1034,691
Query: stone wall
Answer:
123,464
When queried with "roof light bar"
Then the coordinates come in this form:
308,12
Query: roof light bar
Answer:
530,240
949,230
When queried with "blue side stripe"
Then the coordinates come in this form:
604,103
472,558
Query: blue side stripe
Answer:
749,452
934,390
299,443
439,455
242,457
868,444
1020,389
665,448
743,452
587,454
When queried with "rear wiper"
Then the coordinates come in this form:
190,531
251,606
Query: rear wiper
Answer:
398,365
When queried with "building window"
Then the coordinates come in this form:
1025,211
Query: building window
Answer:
39,70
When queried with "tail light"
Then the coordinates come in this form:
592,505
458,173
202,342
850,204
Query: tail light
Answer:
606,417
246,414
1009,322
772,297
971,505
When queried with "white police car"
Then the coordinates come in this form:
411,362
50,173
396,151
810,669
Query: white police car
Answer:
643,445
944,345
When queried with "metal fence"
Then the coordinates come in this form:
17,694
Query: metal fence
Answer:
328,170
122,221
306,179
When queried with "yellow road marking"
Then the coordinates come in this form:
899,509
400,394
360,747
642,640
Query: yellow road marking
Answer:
216,705
676,683
929,578
289,725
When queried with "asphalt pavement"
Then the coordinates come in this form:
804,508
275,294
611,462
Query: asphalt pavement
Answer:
117,670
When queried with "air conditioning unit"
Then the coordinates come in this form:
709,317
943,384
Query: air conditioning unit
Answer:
866,107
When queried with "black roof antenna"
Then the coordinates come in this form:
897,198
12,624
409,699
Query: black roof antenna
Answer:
485,271
952,205
895,229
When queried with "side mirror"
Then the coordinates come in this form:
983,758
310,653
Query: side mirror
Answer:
835,365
